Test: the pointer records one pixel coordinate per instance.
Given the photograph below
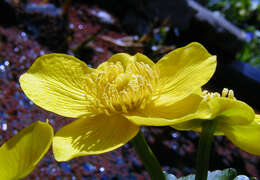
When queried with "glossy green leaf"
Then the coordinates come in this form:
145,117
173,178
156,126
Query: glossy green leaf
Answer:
226,174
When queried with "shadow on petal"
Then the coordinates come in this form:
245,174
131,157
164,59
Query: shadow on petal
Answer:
92,135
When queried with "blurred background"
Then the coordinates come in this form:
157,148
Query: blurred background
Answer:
95,30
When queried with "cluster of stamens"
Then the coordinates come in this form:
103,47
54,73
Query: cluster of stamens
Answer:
225,93
116,88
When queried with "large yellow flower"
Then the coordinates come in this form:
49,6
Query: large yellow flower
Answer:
20,154
114,100
234,119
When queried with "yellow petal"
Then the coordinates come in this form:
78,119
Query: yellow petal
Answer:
232,111
257,118
184,70
246,137
142,58
194,124
228,112
56,83
92,135
125,59
164,114
192,121
20,154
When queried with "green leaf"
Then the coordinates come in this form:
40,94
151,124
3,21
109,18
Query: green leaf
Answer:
169,176
226,174
189,177
241,177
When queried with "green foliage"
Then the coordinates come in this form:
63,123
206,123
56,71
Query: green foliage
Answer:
246,15
251,53
237,11
226,174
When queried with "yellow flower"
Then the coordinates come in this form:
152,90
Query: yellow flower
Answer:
114,100
235,119
20,154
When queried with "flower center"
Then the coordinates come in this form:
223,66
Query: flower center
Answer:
121,89
225,93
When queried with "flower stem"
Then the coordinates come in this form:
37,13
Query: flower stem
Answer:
147,157
207,134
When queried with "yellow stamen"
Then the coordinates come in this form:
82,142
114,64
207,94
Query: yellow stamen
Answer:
225,93
122,89
228,93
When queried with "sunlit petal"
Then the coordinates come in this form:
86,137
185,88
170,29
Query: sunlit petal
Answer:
126,59
246,137
232,111
154,115
92,135
226,111
56,82
184,70
118,97
20,154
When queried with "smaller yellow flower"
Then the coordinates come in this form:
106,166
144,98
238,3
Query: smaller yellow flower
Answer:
20,154
235,119
112,101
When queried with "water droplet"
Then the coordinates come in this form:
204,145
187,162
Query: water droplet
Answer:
16,49
80,26
42,52
167,29
4,126
102,169
24,35
6,63
175,135
176,32
51,121
21,103
53,170
71,26
155,48
2,68
136,37
175,146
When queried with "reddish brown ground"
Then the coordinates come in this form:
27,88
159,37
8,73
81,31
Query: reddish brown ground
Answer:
176,150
